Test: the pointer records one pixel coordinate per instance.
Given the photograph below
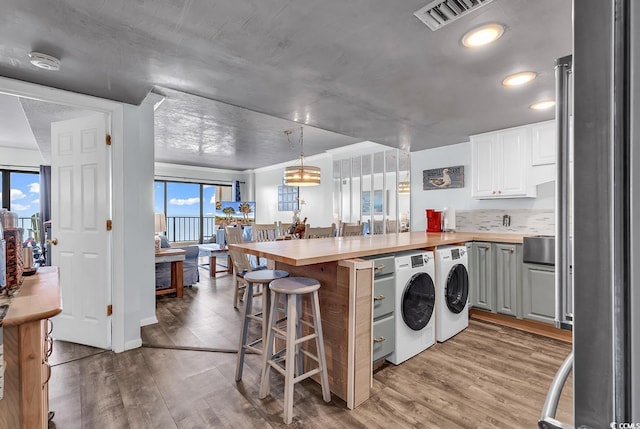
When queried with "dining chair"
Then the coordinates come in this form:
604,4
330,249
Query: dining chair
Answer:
240,261
233,234
342,224
320,232
378,227
351,230
265,231
283,228
241,266
392,226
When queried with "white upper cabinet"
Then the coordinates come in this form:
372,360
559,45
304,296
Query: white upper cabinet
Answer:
501,164
484,148
543,143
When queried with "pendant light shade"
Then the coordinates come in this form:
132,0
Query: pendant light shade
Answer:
404,187
301,175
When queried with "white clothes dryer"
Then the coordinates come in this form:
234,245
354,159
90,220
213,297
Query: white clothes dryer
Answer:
452,291
415,305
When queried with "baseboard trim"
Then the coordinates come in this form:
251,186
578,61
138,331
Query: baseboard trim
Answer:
133,344
530,326
148,321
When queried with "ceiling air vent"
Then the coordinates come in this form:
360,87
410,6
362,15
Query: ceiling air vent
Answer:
439,13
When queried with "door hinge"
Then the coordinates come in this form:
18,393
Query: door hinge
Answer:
109,225
109,310
108,140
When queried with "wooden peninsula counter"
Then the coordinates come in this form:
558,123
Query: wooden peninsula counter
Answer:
26,346
346,293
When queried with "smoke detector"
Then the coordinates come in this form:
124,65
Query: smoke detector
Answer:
44,61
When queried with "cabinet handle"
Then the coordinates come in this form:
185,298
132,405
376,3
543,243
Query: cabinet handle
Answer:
378,298
493,192
49,348
484,247
379,340
44,384
499,192
379,267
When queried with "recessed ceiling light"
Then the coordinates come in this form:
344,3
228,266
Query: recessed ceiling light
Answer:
519,78
543,105
482,35
44,61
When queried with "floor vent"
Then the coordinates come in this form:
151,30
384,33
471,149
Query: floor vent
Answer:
439,13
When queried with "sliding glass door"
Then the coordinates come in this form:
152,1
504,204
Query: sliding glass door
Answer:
189,209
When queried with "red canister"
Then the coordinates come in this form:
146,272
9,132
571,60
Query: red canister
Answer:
434,220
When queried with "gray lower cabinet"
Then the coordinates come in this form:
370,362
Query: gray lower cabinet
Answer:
383,337
481,269
496,277
384,290
508,259
538,300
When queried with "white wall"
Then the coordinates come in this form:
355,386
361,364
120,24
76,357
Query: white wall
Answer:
357,149
318,207
188,173
460,198
133,202
20,159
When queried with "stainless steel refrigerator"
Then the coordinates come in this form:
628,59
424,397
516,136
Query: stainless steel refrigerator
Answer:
564,193
606,225
564,232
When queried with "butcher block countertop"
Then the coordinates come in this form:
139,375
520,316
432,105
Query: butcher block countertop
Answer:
37,299
320,250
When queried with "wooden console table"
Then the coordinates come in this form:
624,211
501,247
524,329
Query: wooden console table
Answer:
176,257
26,351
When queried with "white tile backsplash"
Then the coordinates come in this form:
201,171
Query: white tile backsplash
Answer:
523,221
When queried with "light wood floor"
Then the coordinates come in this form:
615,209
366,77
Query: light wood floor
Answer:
485,377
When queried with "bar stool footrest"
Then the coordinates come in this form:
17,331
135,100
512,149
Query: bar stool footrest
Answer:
306,375
306,338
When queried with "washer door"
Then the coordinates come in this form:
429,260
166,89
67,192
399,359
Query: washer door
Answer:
457,289
418,300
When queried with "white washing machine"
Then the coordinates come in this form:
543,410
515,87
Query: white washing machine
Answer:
415,305
452,291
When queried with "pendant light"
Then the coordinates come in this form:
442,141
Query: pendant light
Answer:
301,175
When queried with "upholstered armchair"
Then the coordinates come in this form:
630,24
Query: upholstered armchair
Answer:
190,274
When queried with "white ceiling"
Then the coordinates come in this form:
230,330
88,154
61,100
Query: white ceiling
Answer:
15,131
237,72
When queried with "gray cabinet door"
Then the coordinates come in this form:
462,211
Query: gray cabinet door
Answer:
384,288
507,277
538,301
483,290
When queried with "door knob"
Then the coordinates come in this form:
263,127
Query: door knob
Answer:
53,241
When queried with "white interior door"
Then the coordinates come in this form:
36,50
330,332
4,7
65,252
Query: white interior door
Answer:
80,208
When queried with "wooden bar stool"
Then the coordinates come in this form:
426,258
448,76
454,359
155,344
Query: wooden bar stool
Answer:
253,279
290,291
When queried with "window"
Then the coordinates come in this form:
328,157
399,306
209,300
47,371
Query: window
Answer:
287,198
189,208
20,193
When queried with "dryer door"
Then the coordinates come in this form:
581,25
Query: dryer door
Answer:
457,289
418,300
